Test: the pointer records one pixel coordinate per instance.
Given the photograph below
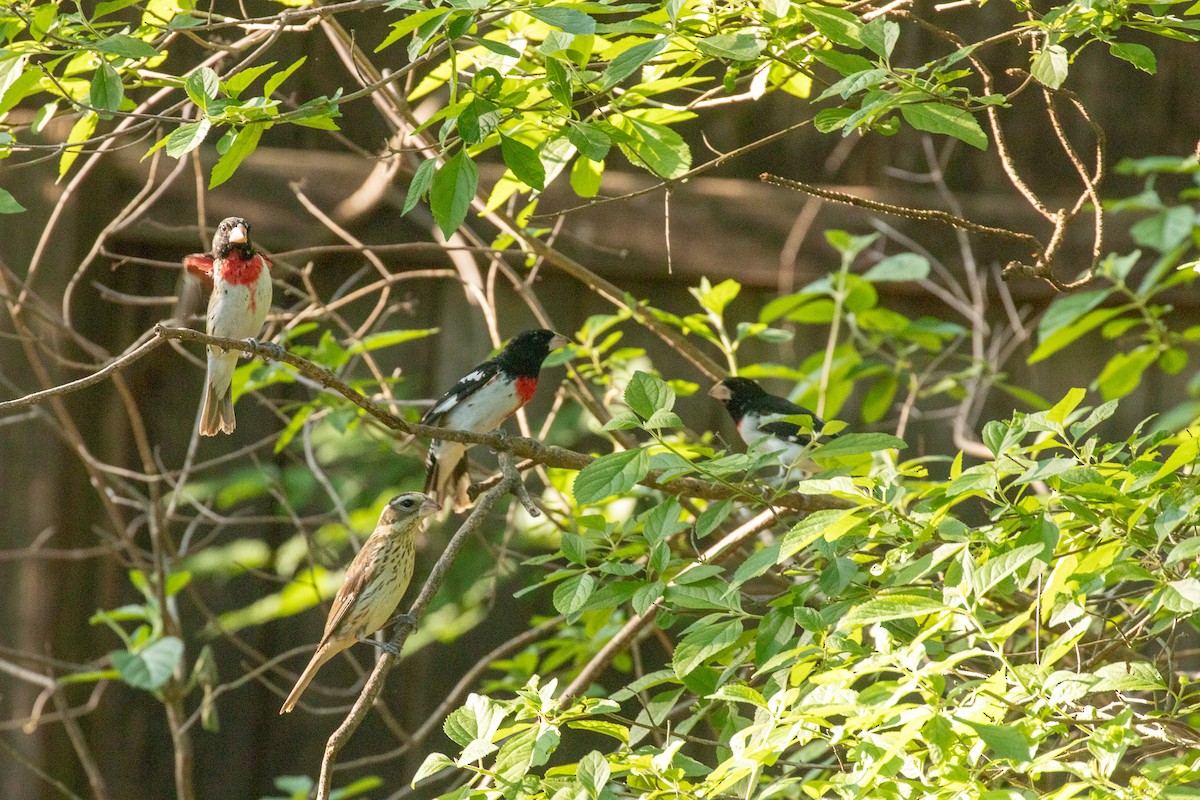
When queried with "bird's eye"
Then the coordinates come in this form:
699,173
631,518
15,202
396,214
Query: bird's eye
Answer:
407,503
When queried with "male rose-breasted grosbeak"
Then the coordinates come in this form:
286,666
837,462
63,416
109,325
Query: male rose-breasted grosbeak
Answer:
484,398
241,298
374,585
759,417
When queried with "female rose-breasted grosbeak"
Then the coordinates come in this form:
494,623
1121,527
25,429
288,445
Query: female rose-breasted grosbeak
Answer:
374,585
241,298
484,398
759,417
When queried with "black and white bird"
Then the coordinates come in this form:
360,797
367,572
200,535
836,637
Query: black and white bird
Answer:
484,398
760,420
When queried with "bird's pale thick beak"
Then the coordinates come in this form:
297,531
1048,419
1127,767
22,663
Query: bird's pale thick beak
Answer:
238,234
720,391
558,340
429,507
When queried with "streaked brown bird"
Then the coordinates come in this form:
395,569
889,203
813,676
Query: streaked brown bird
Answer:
374,585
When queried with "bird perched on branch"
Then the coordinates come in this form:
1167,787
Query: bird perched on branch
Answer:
484,398
761,420
237,309
374,585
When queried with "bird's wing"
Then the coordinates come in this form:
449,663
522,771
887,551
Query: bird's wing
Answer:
470,383
200,266
351,588
788,431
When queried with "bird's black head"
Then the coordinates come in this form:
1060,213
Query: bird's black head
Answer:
736,394
232,234
524,354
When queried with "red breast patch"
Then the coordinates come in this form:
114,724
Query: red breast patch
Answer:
240,271
525,389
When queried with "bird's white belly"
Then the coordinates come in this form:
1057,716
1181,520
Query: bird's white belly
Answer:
231,313
486,408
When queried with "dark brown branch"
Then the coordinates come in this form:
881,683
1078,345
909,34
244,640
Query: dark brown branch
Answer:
531,449
921,214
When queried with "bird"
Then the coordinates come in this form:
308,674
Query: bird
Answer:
759,417
237,309
374,585
479,402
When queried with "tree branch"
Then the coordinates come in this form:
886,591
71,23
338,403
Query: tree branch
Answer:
383,666
531,449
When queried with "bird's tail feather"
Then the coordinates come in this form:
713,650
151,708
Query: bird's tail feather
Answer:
217,414
319,658
448,479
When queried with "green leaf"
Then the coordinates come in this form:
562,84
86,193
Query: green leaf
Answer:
121,45
950,120
880,35
838,26
1182,596
629,61
1139,55
572,595
276,80
1165,230
150,668
81,131
202,86
566,19
9,204
593,772
712,516
615,473
377,341
236,84
853,444
409,24
827,523
1050,66
477,121
1187,549
900,267
739,693
657,148
244,143
734,46
1006,741
1123,372
586,176
997,569
890,607
703,643
879,397
590,140
187,137
648,393
452,191
106,91
1067,308
559,84
422,180
523,161
432,765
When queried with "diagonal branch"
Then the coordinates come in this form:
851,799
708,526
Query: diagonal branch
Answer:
374,685
531,449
